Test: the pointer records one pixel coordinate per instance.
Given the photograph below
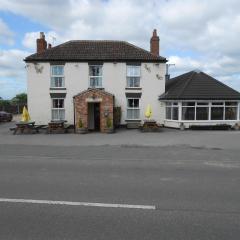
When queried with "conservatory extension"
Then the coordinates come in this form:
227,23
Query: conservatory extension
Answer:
214,103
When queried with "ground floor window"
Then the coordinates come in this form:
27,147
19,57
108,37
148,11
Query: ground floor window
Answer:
188,111
58,110
231,110
203,111
133,110
172,111
217,113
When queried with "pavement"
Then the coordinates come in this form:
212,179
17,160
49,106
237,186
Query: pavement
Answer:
166,137
86,186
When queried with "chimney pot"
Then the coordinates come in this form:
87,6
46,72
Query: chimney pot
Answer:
42,35
155,32
41,43
154,43
49,45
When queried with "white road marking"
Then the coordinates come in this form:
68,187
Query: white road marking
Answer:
86,204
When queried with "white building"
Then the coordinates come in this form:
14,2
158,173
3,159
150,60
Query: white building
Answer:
133,76
86,80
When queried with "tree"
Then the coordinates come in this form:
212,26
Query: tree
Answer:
20,99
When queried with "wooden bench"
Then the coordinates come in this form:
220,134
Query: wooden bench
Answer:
56,126
22,127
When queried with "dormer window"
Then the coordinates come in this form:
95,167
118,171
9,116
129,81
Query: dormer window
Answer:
133,76
95,76
57,76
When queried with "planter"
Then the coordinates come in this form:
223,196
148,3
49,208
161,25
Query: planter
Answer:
236,127
81,130
182,126
109,130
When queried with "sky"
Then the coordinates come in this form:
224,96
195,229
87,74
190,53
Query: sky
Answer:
202,35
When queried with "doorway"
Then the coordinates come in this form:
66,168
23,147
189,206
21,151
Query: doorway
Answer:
94,116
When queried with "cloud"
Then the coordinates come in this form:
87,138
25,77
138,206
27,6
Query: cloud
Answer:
11,62
29,40
193,34
225,69
53,13
6,35
12,72
187,24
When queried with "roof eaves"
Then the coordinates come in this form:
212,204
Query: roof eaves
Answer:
89,60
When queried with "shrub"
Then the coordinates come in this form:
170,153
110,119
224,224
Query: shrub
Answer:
117,112
80,123
109,123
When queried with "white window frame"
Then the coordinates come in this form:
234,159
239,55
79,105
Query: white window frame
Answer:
133,108
172,105
198,105
195,103
231,106
133,76
58,109
217,106
57,76
209,105
99,77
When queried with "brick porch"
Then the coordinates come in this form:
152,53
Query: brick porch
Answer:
93,95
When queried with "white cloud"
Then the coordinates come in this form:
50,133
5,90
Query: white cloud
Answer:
11,62
12,72
194,34
195,25
6,35
225,69
53,13
29,40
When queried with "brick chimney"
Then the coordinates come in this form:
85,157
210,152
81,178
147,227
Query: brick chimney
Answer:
41,43
154,43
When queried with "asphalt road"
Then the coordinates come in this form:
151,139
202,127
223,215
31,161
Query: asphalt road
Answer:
195,191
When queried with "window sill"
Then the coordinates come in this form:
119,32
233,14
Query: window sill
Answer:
58,88
99,87
133,88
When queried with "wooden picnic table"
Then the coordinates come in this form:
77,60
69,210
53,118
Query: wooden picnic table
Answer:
58,126
28,127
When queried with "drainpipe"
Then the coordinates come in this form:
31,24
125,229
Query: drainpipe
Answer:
74,115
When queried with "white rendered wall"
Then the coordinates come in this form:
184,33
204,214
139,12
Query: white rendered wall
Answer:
77,80
38,84
152,88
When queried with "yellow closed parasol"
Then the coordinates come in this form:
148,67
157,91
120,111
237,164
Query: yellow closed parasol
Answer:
25,115
148,112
